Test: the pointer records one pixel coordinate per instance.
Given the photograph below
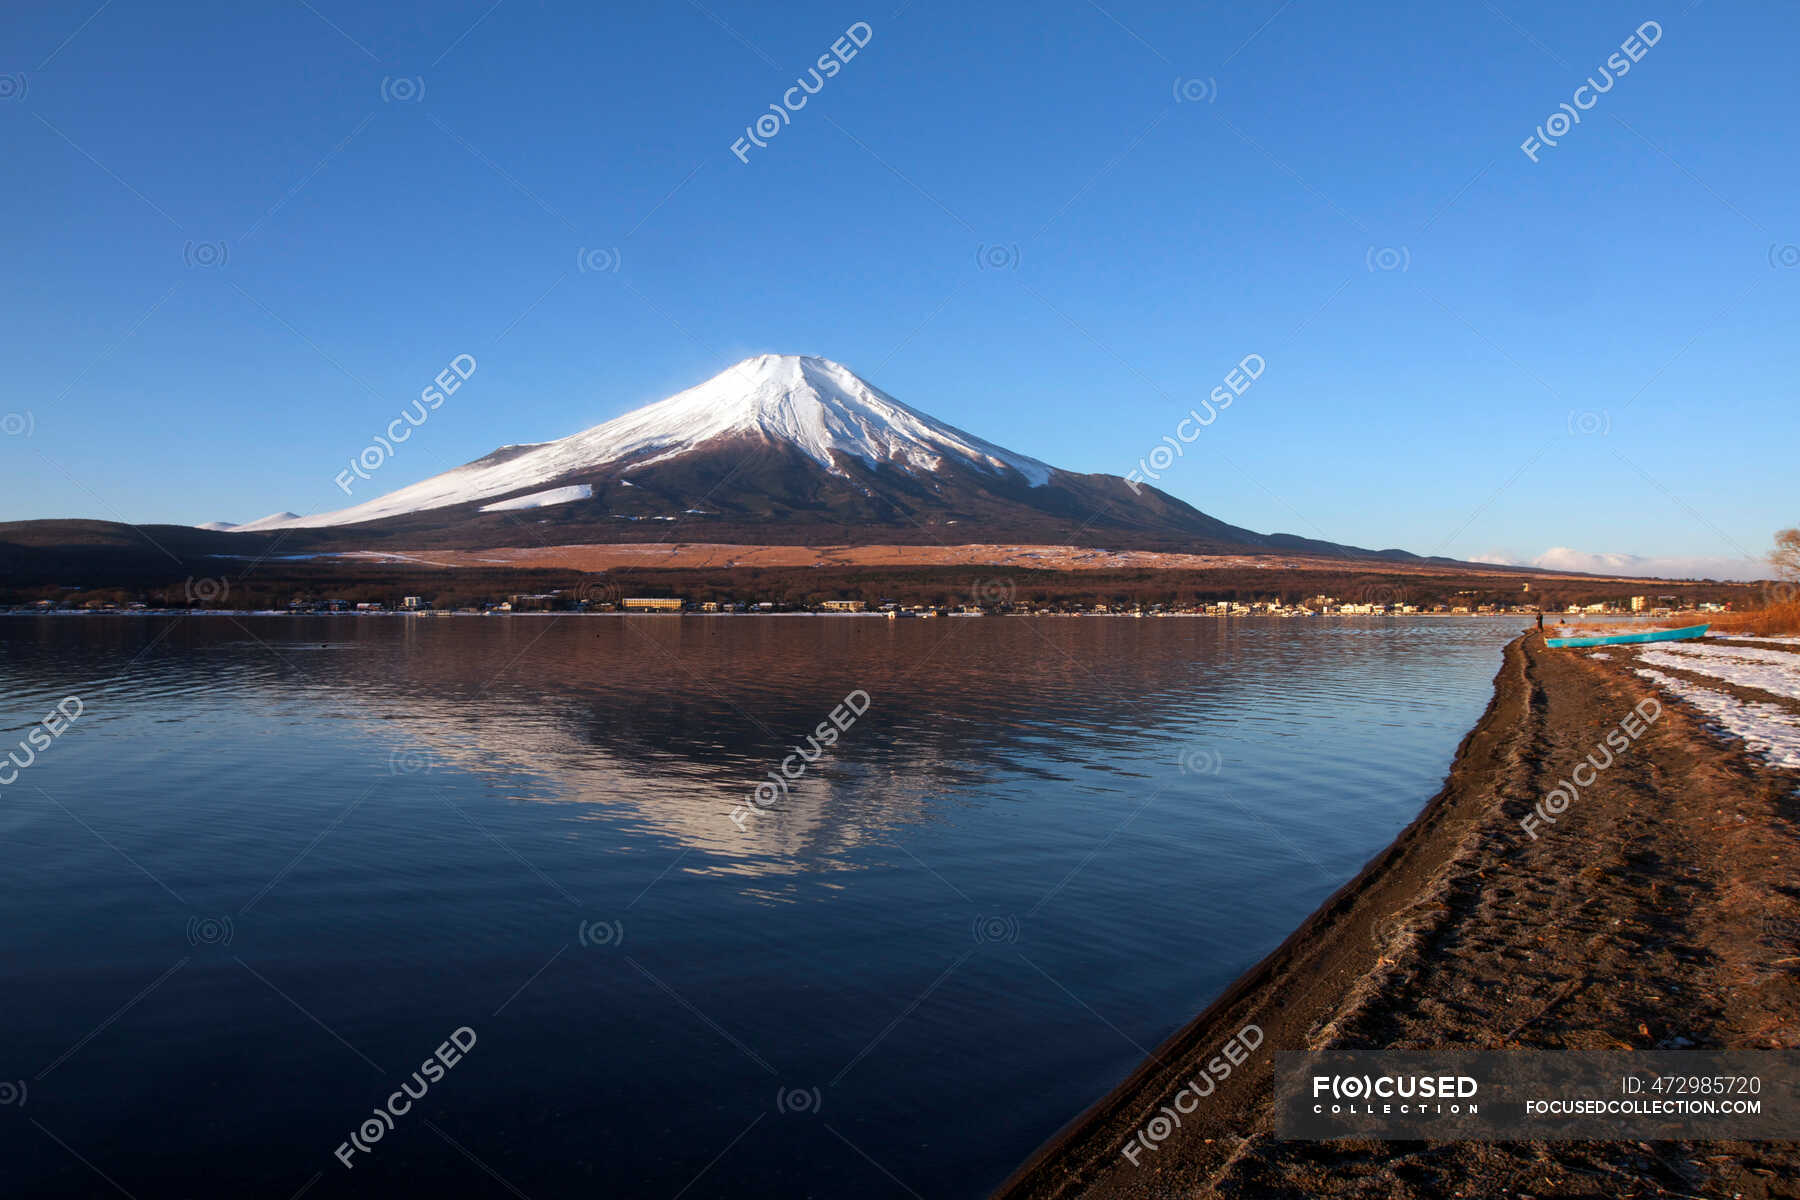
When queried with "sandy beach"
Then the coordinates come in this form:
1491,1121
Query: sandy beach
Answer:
1657,911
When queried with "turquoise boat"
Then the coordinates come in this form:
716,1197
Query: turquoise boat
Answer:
1631,639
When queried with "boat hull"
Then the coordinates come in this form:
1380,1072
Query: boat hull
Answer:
1631,639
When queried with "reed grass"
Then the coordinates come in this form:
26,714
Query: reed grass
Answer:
1781,616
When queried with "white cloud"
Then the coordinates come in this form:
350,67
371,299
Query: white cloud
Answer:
1565,558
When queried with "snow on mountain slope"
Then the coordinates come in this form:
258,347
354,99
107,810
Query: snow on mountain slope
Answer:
813,404
561,495
278,520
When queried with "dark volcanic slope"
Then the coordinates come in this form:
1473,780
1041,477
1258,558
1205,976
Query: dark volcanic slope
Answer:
755,492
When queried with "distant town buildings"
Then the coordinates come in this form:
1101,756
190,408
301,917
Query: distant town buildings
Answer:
1367,603
652,604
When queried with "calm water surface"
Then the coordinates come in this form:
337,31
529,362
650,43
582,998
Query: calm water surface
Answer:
276,862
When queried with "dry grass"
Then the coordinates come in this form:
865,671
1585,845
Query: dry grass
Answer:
1777,618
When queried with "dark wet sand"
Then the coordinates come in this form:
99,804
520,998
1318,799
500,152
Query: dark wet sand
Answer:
1664,905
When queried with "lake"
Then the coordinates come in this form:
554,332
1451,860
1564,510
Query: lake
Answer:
275,864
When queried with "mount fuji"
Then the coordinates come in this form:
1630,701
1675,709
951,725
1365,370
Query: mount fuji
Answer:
811,405
777,449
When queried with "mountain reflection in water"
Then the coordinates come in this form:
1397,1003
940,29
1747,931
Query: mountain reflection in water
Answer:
328,843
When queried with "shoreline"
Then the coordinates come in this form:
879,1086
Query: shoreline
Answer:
868,616
1653,913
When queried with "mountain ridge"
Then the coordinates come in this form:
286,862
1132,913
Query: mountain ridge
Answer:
774,450
820,407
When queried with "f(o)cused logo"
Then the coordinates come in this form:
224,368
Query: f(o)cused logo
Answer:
1784,258
998,257
1383,594
12,1093
402,89
1388,258
993,591
996,929
597,593
205,254
207,591
798,1101
12,87
210,931
1190,91
411,760
374,1128
1590,423
602,260
602,933
1782,929
18,424
1198,760
1391,929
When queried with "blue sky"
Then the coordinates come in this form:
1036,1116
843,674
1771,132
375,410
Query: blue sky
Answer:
1468,352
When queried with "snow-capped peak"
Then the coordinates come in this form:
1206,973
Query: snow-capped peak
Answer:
819,407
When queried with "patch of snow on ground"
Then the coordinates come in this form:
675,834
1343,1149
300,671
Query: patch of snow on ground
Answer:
1759,637
545,499
1767,729
389,556
1769,670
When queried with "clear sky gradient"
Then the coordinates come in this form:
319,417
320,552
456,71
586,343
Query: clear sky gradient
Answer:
1055,224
